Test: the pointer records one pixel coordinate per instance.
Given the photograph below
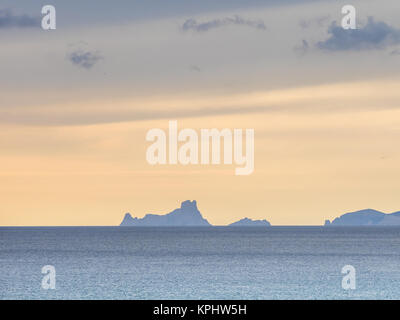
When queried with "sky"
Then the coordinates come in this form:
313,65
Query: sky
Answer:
76,104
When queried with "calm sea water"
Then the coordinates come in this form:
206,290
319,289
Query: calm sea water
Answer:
200,263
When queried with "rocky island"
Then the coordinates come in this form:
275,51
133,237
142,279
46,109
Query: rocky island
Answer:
367,217
246,222
188,215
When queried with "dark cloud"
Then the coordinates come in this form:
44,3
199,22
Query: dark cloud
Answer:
10,20
374,35
84,59
193,25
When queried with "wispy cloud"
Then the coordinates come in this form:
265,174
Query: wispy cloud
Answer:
337,98
193,25
302,49
88,117
84,59
395,52
318,22
10,20
374,35
195,68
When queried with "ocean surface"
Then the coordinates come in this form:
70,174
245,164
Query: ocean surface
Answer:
200,263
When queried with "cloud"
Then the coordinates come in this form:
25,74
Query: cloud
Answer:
195,68
317,99
10,20
84,59
374,35
193,25
88,117
319,22
302,49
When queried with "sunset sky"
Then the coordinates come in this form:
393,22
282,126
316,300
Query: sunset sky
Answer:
76,104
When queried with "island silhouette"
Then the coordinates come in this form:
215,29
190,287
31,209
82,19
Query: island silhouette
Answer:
188,215
367,217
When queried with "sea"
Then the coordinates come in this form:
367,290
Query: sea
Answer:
200,262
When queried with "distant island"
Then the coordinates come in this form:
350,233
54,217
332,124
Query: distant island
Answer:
246,222
367,217
188,215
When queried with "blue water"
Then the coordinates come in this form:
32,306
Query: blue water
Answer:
200,263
